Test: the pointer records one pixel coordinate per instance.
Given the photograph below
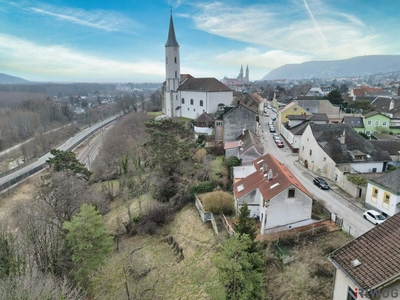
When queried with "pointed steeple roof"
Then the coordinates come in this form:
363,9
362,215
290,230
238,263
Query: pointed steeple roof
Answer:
171,42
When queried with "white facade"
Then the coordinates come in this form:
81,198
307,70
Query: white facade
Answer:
381,199
193,103
283,210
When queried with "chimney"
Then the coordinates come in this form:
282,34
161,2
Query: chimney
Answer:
270,175
264,168
343,138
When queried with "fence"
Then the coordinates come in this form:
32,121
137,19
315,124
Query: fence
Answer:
339,221
227,226
22,177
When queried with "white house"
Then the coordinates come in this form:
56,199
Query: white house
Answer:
383,193
369,265
334,150
189,97
274,195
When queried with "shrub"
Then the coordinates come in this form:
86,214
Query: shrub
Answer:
157,216
219,202
200,155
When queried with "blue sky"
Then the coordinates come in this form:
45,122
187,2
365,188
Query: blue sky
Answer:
123,40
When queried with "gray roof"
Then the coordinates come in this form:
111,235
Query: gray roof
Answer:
171,41
390,181
390,146
354,121
250,139
203,85
328,138
318,117
297,117
298,129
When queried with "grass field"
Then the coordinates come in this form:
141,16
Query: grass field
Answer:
151,269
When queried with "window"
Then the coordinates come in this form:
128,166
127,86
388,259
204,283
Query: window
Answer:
191,101
201,102
218,123
376,123
375,192
369,123
324,158
194,109
166,59
302,148
351,295
183,100
176,97
373,170
175,59
291,193
384,123
176,74
295,109
368,132
310,152
386,199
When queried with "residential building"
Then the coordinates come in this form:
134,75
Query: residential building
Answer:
186,96
383,193
375,122
369,263
391,146
290,109
335,150
238,119
320,91
203,125
294,128
274,196
314,105
357,123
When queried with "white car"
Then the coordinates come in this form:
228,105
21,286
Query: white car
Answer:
374,217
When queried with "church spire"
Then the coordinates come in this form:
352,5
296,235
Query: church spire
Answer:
171,42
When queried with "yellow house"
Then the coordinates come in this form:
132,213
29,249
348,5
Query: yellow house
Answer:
291,109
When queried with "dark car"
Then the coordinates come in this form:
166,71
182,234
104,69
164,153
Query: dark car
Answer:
321,183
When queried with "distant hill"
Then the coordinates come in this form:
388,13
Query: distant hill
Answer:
4,78
356,66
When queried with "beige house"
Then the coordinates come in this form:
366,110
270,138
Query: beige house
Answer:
369,266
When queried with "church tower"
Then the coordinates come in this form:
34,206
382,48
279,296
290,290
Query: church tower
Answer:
240,77
172,72
247,80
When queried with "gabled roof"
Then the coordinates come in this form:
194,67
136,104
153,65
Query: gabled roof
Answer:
204,118
390,180
238,106
297,117
282,179
328,138
354,121
373,113
203,85
230,145
377,250
298,129
250,139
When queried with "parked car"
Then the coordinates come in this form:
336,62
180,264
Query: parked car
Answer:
279,144
321,183
276,138
271,129
266,114
273,118
374,217
270,122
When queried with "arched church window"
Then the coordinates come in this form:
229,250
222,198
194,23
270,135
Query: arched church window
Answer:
166,59
201,102
175,59
183,100
191,101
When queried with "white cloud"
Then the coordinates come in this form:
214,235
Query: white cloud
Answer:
314,30
100,19
60,63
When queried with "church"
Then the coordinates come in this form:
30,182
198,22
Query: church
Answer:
184,95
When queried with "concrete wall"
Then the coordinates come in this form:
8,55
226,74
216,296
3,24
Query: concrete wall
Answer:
283,210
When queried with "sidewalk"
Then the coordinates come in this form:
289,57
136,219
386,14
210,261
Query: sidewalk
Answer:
334,188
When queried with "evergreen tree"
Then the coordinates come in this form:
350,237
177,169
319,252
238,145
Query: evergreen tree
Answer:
66,160
89,241
245,224
240,271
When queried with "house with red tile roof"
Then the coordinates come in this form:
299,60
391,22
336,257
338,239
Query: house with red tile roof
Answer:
274,195
370,264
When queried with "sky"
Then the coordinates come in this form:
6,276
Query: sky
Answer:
123,40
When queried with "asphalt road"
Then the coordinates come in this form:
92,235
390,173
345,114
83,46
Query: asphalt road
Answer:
331,200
